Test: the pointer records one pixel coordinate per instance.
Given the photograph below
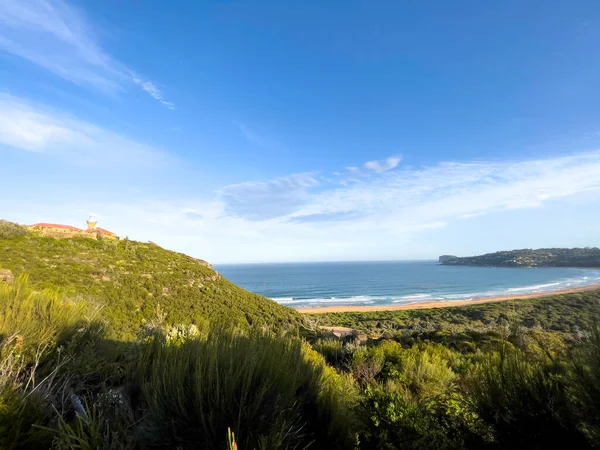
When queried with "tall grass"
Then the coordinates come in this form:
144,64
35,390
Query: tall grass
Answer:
34,320
31,326
272,393
583,386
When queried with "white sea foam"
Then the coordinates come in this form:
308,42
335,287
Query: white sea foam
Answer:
366,299
414,297
590,278
535,287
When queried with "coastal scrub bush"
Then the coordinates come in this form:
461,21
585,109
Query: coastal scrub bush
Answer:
10,230
273,393
36,319
583,386
393,422
526,403
365,365
32,387
421,373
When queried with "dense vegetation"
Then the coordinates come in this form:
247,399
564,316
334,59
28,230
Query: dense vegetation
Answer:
568,315
137,282
519,374
523,374
543,257
64,384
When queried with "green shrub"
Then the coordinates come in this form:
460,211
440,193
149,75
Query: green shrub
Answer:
583,386
391,422
526,403
332,350
422,373
272,393
10,230
365,365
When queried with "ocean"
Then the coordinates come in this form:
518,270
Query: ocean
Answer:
304,285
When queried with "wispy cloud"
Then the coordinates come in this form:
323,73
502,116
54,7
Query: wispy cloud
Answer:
448,190
37,128
393,214
262,140
375,167
249,134
268,199
415,198
154,92
58,37
382,166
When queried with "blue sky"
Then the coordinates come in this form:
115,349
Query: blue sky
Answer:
255,131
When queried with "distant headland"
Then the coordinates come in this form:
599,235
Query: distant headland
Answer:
543,257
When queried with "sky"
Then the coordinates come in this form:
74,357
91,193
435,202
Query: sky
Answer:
269,131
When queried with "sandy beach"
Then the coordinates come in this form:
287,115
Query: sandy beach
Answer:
441,303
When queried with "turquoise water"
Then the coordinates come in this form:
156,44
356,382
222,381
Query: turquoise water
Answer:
303,285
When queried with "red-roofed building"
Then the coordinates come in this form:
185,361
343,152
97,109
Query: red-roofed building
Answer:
59,230
55,226
103,230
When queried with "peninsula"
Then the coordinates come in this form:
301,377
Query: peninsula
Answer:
543,257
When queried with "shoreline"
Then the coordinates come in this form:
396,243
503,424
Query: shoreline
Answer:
441,303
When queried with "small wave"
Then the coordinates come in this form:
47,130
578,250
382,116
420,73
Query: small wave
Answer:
535,287
365,299
414,297
468,295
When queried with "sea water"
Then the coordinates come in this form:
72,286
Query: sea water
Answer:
303,285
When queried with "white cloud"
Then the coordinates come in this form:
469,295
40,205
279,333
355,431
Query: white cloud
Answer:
449,191
35,128
391,215
59,38
154,92
382,166
355,174
268,199
414,198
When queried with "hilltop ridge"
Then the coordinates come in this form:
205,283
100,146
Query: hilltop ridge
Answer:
138,283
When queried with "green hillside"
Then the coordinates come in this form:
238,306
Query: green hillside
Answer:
522,374
138,283
542,257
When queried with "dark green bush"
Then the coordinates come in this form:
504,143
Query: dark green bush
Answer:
525,402
583,386
10,230
392,422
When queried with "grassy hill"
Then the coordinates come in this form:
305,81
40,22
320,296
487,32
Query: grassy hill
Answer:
138,283
513,375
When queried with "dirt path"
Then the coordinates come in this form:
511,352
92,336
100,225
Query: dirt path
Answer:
338,331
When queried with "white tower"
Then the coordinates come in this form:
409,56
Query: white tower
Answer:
91,222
